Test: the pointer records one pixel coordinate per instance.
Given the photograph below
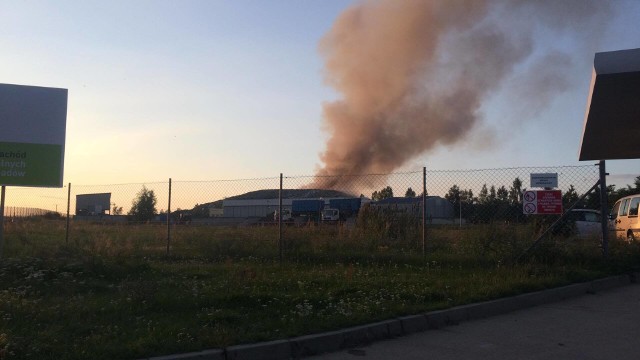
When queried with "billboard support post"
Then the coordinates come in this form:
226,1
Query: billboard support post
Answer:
169,220
2,193
424,212
66,238
280,221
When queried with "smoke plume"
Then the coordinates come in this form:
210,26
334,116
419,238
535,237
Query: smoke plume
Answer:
412,75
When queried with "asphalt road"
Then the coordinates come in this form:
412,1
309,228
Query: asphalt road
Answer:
605,325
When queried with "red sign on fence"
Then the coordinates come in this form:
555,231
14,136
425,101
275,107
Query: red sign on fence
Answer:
542,202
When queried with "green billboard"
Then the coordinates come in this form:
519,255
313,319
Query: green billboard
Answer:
30,164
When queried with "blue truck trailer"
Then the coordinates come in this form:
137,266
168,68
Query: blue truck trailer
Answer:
341,209
307,208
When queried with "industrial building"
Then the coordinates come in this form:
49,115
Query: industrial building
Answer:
93,204
263,203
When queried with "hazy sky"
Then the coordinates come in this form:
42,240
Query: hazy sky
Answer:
205,90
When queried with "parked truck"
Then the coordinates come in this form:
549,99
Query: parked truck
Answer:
286,215
311,208
301,210
341,209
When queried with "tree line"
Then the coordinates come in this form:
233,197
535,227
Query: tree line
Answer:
505,204
490,204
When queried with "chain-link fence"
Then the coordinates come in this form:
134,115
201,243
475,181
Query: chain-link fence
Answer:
302,214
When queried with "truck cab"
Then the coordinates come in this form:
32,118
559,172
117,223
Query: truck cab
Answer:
330,214
341,209
286,215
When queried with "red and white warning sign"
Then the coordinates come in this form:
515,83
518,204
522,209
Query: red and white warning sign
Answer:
542,202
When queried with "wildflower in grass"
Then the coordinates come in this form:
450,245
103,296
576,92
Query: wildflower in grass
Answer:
303,310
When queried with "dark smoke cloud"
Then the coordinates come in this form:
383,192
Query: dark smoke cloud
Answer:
538,86
413,74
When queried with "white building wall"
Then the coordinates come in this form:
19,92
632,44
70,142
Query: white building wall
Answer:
257,207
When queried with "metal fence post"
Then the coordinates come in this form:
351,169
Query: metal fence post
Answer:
2,193
280,220
66,236
169,219
424,211
604,209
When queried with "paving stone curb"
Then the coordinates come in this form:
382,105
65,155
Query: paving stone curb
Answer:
309,345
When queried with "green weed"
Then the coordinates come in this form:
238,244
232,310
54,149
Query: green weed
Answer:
112,292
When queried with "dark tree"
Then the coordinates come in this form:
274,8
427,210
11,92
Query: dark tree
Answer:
461,198
625,191
515,192
483,196
117,210
569,197
492,194
143,207
410,193
502,194
592,201
467,196
453,195
382,194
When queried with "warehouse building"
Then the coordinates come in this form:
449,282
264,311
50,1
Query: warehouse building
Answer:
263,203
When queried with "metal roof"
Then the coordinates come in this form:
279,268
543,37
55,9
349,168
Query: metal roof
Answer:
291,194
612,120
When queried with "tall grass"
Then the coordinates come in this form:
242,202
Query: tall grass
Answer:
112,292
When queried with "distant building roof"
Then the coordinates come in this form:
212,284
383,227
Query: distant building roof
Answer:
291,194
402,200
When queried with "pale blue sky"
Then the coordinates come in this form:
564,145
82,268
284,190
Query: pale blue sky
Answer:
205,90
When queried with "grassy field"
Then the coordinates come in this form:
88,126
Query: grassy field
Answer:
113,293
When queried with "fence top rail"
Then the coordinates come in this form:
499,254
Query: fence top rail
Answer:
335,176
123,184
516,168
226,180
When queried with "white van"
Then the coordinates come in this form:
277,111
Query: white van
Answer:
624,218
